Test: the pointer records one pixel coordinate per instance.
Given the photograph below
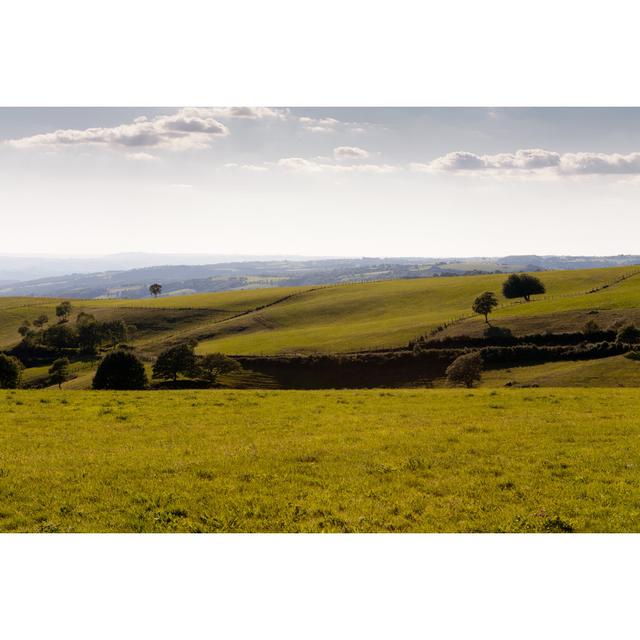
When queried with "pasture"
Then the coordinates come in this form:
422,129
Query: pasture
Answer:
509,460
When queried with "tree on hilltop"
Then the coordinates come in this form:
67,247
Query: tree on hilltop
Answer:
155,289
522,285
484,304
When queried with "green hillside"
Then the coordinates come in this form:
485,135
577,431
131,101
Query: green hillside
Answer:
390,314
341,318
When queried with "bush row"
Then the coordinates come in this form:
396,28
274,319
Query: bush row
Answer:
505,338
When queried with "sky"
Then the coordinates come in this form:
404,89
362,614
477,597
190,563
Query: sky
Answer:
320,181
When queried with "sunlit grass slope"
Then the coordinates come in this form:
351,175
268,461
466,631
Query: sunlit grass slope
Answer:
429,460
389,314
332,318
236,301
616,371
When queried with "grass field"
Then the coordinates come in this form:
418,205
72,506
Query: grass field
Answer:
363,461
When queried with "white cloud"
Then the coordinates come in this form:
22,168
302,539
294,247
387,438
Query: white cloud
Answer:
600,163
189,128
142,156
319,125
331,125
312,166
521,160
534,162
350,153
246,167
252,113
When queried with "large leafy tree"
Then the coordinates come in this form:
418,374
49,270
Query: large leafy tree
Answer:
484,304
175,361
120,369
522,285
10,371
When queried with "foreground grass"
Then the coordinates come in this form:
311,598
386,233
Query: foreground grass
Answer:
410,460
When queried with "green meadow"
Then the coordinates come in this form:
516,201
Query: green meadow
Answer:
508,460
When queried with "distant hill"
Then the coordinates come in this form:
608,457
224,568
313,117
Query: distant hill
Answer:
189,277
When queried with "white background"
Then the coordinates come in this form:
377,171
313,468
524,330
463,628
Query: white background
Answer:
318,54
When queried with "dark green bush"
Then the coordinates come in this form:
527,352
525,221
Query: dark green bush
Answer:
120,370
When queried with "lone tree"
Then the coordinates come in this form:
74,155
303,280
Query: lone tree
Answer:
465,369
214,364
629,334
120,370
484,304
155,289
10,371
59,371
63,310
522,285
175,360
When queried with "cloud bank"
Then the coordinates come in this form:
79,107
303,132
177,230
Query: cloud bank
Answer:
535,161
189,128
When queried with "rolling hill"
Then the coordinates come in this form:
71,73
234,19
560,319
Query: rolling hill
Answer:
345,318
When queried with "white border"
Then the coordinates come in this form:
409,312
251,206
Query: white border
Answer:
293,53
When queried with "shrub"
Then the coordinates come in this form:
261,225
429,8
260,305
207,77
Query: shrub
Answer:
10,372
629,334
465,369
498,332
590,327
120,370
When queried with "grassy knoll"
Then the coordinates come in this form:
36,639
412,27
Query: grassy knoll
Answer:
236,301
389,314
410,460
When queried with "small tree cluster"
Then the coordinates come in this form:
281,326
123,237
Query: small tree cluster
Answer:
182,360
87,335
